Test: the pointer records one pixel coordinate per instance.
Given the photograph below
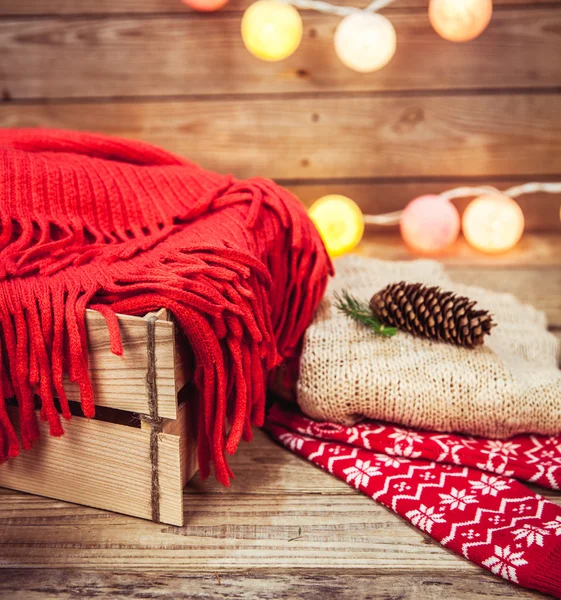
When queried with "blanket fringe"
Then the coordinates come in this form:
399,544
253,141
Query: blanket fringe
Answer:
239,321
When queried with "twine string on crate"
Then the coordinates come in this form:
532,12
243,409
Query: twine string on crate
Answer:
152,419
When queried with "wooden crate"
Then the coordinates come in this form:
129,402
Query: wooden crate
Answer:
106,462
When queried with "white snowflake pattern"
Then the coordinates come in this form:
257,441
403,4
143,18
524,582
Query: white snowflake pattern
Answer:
554,525
399,450
291,441
335,450
502,448
504,563
499,468
401,487
390,461
365,431
451,447
361,472
489,485
532,534
424,518
457,499
403,435
551,461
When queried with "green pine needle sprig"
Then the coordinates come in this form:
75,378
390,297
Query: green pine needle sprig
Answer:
359,311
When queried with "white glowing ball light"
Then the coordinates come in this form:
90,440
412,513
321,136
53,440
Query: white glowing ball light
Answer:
365,42
460,20
493,223
271,30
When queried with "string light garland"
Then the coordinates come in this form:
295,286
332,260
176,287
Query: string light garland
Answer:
493,222
364,40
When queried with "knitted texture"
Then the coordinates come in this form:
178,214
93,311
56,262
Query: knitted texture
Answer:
453,488
89,221
510,385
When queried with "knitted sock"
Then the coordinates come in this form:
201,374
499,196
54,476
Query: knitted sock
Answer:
492,520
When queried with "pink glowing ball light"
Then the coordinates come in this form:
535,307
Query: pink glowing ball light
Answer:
205,5
429,224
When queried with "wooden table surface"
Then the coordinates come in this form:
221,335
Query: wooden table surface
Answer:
284,529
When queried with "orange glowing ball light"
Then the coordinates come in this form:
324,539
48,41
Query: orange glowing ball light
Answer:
460,20
493,223
205,5
429,224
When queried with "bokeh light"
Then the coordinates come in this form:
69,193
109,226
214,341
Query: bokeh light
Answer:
460,20
493,223
271,30
339,221
429,224
365,42
205,5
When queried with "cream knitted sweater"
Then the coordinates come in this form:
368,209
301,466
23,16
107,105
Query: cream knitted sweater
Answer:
510,385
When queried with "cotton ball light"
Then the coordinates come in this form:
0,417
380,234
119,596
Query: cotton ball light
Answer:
339,221
365,42
460,20
430,224
271,30
493,223
205,5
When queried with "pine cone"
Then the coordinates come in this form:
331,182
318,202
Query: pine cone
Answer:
429,312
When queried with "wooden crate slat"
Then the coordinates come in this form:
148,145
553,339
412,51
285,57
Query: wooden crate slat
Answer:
120,381
413,137
105,465
134,56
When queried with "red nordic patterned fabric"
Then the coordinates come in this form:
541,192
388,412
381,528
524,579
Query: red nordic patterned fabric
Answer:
460,490
91,221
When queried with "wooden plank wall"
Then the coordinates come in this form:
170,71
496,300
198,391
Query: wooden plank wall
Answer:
439,115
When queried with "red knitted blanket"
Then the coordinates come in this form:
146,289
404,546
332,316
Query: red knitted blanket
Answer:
459,490
89,221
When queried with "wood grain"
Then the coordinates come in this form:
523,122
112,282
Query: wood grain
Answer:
161,56
246,526
541,211
69,7
120,381
282,584
534,251
101,464
351,136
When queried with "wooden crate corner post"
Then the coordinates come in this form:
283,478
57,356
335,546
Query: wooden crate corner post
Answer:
108,462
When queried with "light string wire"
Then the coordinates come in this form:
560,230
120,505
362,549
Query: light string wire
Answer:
335,9
393,218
